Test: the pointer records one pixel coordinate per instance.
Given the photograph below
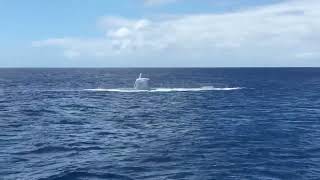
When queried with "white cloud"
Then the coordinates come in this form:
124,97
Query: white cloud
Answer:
120,33
274,31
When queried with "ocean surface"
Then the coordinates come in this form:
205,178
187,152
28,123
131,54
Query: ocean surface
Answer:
195,123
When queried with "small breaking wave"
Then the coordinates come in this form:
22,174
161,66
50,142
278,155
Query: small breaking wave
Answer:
205,88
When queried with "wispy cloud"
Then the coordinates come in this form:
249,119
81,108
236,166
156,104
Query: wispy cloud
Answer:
280,31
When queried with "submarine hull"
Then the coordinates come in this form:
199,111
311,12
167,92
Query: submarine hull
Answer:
142,84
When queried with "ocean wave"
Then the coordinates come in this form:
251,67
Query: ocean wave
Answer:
130,90
77,174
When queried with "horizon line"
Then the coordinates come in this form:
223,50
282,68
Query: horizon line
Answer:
150,67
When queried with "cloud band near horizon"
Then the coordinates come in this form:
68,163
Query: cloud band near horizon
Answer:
281,32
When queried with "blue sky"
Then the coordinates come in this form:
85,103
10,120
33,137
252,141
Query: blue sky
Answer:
159,33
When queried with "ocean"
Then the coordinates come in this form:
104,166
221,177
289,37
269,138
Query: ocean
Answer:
195,123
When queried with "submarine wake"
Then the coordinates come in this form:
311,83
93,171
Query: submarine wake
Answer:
132,90
142,85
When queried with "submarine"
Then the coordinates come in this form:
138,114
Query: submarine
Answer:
141,83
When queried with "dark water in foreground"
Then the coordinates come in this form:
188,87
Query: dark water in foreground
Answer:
245,124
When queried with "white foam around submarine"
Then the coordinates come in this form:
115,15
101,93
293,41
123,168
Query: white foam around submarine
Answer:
206,88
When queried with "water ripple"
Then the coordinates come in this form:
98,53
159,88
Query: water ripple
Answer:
51,128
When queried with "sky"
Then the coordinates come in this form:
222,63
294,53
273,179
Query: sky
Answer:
160,33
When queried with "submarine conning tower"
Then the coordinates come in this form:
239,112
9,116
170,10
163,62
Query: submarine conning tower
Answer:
142,83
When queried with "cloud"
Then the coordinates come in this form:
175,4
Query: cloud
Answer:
267,32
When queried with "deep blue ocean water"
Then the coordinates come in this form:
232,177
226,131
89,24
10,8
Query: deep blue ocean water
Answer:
222,123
